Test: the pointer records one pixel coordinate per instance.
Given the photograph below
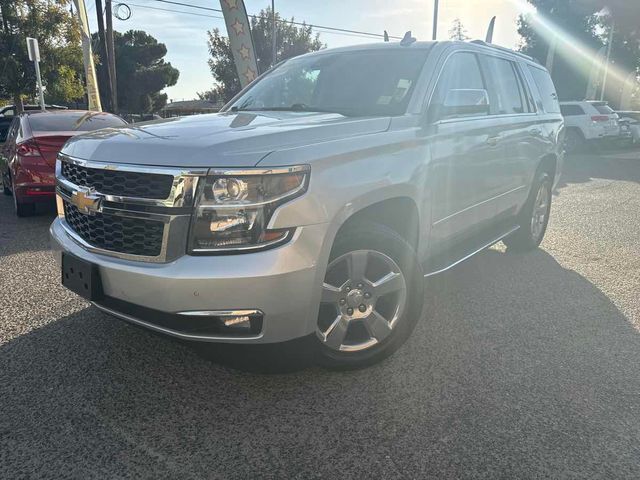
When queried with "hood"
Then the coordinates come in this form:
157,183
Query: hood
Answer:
217,140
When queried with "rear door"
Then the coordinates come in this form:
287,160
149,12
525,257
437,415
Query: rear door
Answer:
519,132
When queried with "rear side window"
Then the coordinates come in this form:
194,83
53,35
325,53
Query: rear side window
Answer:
603,108
505,91
546,88
571,110
73,121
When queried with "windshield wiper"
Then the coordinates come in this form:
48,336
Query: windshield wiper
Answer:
296,107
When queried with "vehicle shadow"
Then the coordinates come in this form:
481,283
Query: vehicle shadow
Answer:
521,369
27,234
609,165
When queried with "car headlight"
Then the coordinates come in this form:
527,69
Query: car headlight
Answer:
233,208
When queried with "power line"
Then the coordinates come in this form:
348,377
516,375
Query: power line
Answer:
174,11
320,30
324,27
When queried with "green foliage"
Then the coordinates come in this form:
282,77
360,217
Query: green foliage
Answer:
570,72
58,37
291,40
583,25
141,71
457,31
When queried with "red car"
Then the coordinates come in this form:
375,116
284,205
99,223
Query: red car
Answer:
28,157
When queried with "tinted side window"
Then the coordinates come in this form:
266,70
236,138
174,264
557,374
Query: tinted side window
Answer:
571,110
546,89
504,89
603,108
461,71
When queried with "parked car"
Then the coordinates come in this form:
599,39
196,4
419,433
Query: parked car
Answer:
10,110
632,119
588,121
317,202
27,159
5,122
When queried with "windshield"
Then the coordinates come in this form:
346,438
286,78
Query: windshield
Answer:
358,83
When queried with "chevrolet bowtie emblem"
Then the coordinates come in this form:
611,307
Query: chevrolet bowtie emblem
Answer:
87,201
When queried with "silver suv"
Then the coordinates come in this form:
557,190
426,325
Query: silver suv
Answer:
317,201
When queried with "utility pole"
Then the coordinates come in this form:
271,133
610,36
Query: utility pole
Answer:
274,51
113,82
104,57
435,19
606,63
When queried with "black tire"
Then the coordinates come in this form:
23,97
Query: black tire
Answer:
378,238
23,209
573,140
527,237
5,187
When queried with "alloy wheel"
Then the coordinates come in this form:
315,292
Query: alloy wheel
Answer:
363,297
540,210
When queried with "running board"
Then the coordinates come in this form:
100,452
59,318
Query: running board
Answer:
477,250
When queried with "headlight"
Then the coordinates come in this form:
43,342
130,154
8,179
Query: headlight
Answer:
233,208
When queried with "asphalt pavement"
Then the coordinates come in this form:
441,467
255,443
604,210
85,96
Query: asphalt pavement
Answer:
528,367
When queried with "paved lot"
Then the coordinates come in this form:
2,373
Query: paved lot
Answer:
530,368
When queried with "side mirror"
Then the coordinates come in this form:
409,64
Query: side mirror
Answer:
465,101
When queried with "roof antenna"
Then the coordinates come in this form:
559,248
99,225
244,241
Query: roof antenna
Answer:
386,36
407,39
489,37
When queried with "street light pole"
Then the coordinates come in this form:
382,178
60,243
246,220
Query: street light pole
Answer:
435,19
113,84
274,51
34,56
606,64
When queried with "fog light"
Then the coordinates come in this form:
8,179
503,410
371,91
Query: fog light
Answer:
237,321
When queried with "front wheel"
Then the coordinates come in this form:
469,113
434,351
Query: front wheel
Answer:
534,216
372,297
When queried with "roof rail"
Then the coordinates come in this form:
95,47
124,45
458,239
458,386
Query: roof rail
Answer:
504,49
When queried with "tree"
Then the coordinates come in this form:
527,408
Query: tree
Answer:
59,41
457,31
582,27
142,72
291,40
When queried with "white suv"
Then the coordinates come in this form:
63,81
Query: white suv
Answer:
588,120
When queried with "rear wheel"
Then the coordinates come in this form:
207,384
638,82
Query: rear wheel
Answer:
372,297
22,209
534,216
5,185
573,141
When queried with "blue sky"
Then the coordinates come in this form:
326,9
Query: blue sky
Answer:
185,35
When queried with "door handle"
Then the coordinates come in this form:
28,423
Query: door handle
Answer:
493,140
535,132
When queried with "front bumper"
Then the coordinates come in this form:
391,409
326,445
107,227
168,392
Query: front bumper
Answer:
283,283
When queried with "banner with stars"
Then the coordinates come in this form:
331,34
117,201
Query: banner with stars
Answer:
240,41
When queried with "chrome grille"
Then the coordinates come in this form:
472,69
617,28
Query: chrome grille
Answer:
119,182
128,235
134,212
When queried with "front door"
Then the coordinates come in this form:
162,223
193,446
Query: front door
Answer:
466,157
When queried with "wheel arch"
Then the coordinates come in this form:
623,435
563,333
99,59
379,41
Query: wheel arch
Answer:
398,213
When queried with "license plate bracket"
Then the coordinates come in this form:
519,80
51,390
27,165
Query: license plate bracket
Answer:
81,277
